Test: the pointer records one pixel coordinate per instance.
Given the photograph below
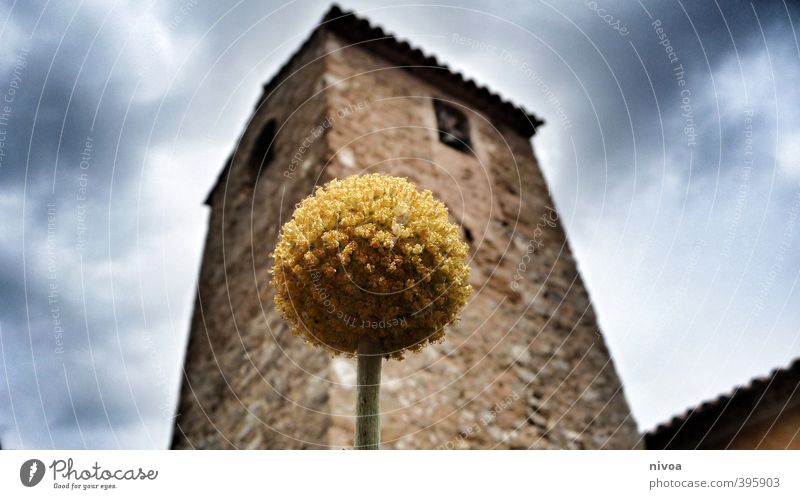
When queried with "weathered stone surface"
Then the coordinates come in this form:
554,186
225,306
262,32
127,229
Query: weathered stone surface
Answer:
526,367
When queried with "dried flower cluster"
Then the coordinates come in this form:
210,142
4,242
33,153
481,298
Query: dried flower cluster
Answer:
370,255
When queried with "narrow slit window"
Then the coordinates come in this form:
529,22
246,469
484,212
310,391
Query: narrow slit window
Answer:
453,126
262,151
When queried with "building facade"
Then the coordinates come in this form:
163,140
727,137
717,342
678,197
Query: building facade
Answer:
526,367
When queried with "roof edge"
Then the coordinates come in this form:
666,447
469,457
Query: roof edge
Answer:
353,28
715,408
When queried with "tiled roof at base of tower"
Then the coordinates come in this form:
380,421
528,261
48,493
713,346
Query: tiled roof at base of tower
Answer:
360,32
762,398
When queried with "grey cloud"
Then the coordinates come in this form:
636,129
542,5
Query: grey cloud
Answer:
663,291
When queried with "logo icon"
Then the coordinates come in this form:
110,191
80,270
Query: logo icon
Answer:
31,472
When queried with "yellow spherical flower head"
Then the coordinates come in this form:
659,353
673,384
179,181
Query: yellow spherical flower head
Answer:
370,255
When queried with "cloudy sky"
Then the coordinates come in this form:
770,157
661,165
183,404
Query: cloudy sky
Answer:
678,181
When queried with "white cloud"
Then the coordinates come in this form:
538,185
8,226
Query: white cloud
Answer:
788,155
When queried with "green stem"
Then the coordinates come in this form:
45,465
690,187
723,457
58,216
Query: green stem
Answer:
368,376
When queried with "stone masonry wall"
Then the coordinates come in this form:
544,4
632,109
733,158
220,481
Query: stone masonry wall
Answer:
525,368
527,365
248,383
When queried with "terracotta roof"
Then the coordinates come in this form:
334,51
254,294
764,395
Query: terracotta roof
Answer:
717,421
358,30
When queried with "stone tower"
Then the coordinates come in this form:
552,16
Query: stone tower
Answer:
526,367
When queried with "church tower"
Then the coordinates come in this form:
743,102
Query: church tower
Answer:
526,367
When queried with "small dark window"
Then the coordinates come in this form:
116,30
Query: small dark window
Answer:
453,126
468,234
262,150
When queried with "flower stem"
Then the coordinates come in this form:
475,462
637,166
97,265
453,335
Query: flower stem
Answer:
368,376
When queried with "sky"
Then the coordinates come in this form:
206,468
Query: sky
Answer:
671,148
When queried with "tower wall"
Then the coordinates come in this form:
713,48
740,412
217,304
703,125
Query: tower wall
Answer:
526,367
248,382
